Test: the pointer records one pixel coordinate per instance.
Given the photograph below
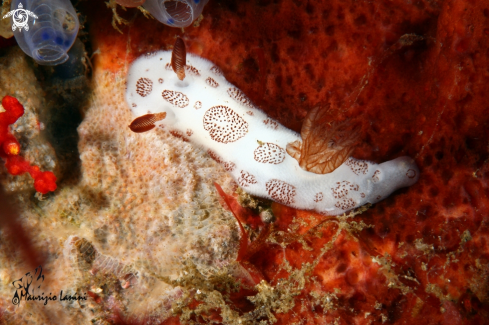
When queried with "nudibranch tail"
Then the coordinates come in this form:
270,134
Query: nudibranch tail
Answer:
323,149
178,58
146,122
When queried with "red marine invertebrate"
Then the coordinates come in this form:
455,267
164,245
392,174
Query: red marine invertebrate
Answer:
246,249
44,182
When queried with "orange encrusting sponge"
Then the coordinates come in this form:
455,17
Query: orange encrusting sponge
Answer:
44,182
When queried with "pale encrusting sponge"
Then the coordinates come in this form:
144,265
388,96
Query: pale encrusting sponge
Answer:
207,110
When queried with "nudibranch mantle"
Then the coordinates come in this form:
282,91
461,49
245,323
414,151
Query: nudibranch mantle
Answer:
208,111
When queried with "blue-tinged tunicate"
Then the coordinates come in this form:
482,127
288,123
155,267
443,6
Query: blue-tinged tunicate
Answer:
175,13
75,66
51,32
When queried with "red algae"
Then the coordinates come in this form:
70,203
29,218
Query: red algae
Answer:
419,256
234,208
44,182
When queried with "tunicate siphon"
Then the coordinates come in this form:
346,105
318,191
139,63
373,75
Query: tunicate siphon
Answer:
51,31
175,13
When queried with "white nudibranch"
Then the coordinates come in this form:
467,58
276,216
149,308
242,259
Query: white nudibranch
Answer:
208,111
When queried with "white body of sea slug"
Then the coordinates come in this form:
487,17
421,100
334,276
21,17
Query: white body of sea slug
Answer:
210,112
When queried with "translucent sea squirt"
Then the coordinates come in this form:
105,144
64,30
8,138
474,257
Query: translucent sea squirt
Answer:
48,37
175,13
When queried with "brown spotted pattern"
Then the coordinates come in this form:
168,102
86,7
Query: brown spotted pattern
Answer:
144,86
271,123
345,204
246,179
214,156
250,113
376,176
198,104
357,166
269,153
216,70
342,188
341,191
211,82
224,124
318,197
354,187
160,80
175,98
192,71
179,134
281,191
228,166
239,96
189,132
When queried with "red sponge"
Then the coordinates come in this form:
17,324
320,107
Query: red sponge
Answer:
44,182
